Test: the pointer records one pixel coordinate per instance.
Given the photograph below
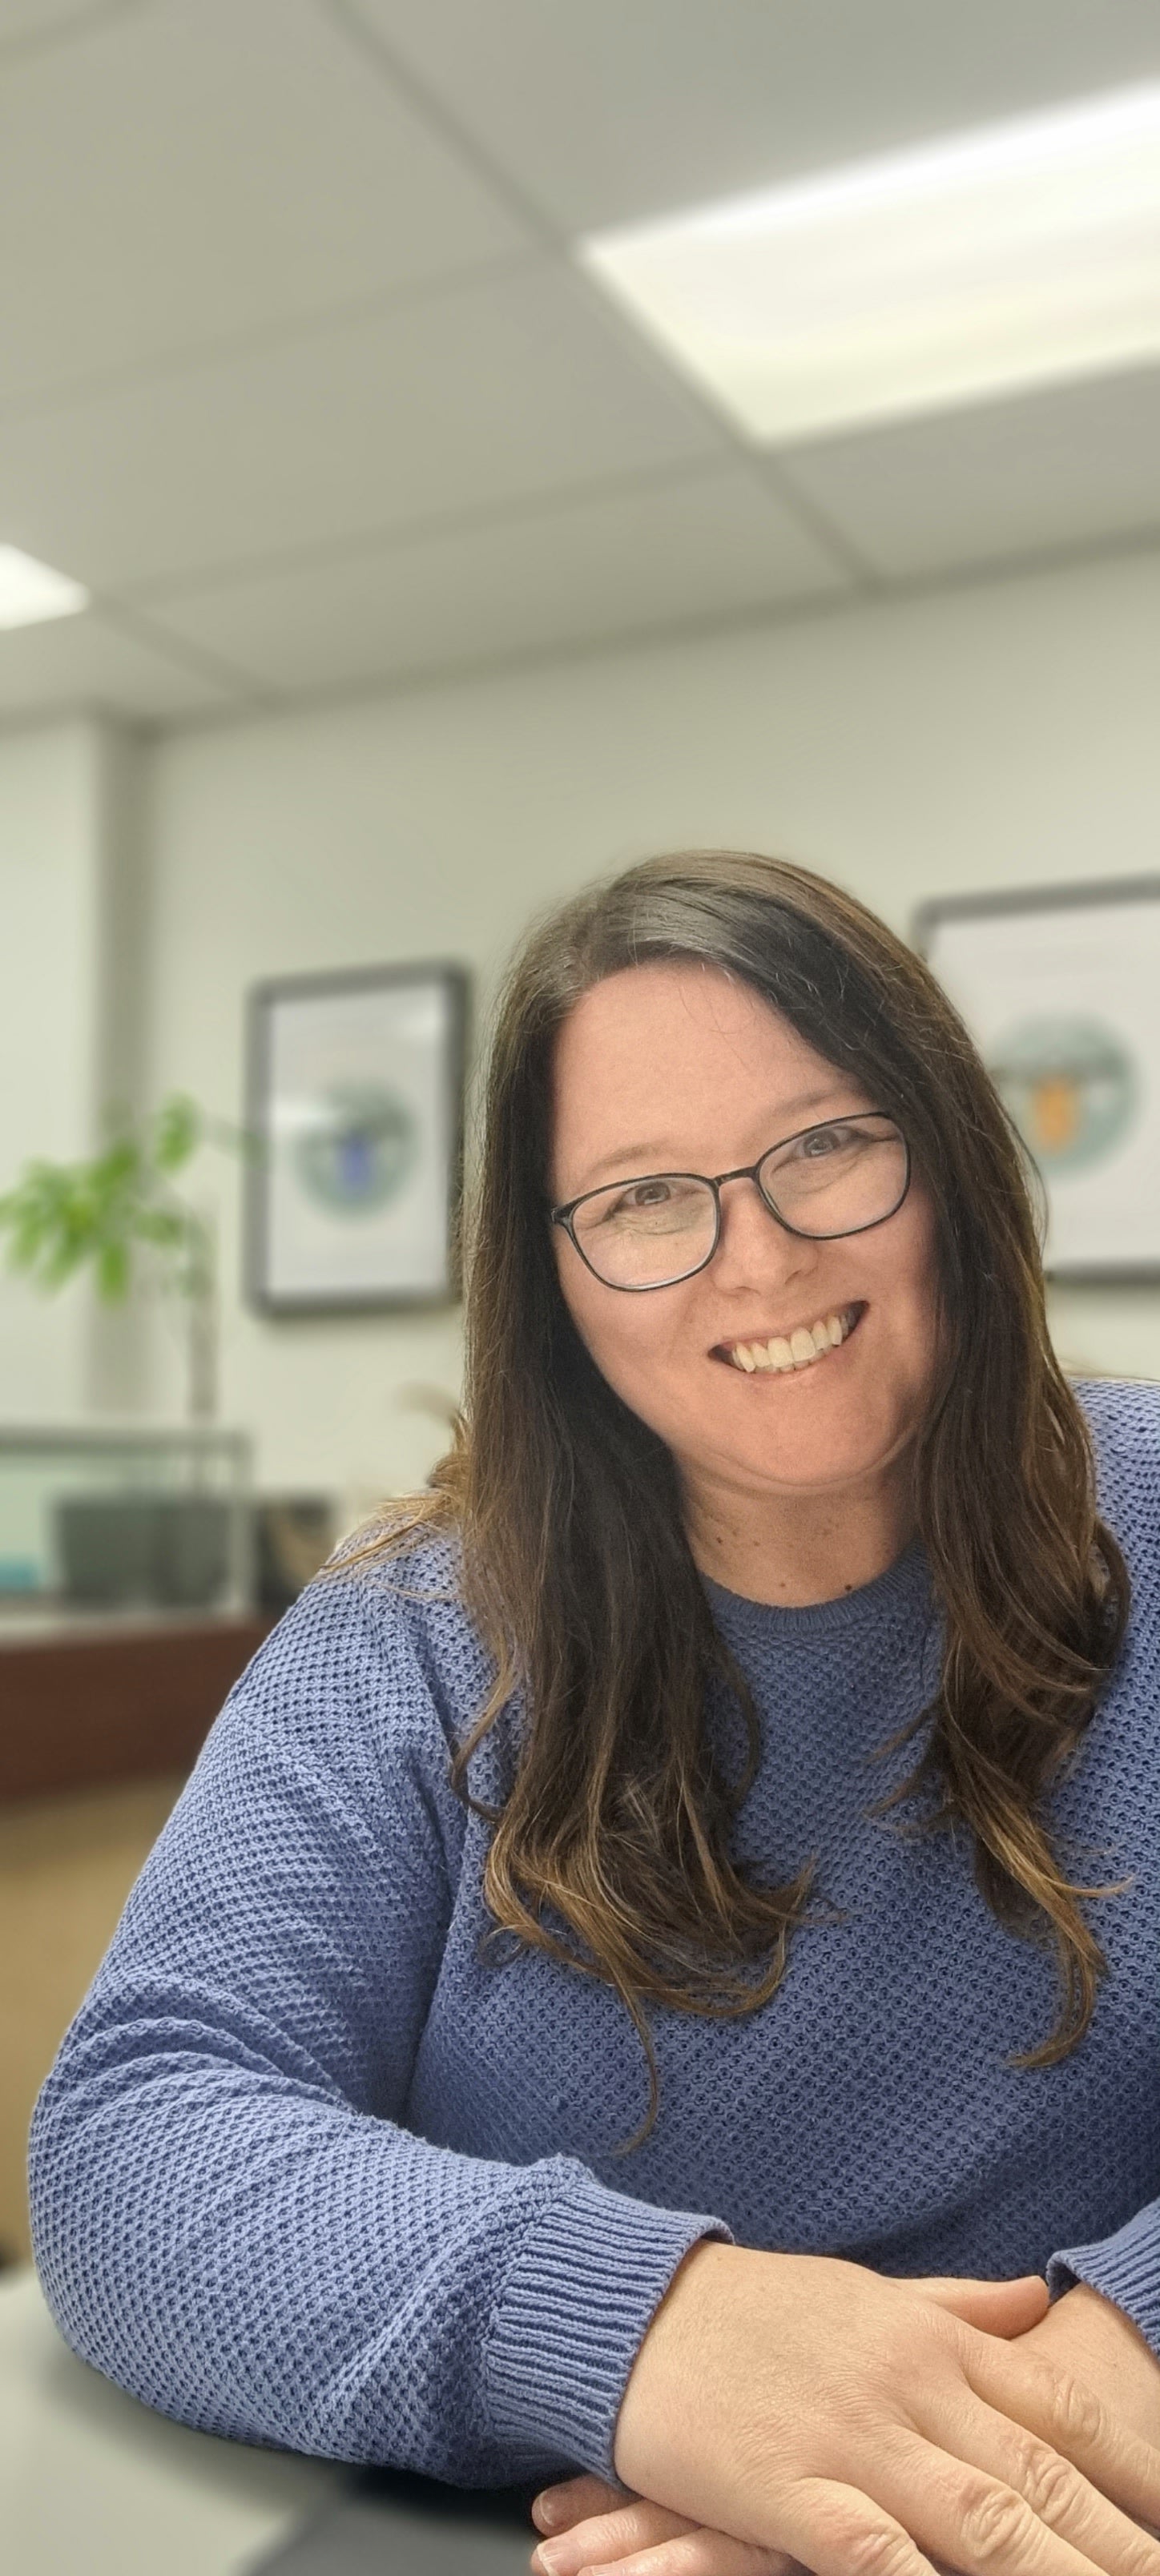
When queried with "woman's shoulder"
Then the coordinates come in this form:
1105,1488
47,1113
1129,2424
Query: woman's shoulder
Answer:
397,1614
1123,1415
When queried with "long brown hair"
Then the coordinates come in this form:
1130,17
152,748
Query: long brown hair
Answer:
612,1850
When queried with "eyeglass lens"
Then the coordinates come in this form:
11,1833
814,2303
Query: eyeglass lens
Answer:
835,1179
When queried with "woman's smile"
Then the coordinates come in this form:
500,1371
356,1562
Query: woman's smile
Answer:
787,1353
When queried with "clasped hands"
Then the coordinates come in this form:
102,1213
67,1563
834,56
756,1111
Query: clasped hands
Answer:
1086,2503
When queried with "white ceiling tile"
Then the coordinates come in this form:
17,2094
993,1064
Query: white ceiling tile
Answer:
190,173
90,661
503,390
708,545
1079,465
609,109
257,305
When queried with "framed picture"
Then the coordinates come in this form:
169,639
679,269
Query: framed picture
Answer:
355,1105
1060,989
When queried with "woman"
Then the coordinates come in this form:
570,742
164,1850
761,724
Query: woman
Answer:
531,2045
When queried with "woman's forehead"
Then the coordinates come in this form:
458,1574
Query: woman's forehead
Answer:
662,1056
670,1019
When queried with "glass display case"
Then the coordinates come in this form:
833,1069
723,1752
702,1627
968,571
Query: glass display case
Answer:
107,1522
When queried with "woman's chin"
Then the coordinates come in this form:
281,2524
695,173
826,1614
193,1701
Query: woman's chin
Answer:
811,1464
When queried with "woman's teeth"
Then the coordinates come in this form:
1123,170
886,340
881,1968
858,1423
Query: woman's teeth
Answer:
802,1348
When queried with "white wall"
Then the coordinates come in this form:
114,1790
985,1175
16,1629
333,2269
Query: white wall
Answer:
70,989
993,736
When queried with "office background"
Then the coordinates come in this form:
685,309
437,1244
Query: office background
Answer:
421,589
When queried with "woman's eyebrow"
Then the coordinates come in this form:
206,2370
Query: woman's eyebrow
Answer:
626,1161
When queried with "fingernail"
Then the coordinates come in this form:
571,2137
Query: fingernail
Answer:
550,2557
544,2510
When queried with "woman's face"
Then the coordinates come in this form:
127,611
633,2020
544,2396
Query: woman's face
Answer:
677,1067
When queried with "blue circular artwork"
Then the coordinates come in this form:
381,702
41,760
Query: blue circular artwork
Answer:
1071,1086
359,1148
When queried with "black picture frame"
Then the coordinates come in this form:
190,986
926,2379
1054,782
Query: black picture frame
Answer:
354,1178
1041,948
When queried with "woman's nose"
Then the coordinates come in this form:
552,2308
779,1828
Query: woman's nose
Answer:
751,1240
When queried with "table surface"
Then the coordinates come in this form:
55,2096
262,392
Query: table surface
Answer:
91,2481
27,1618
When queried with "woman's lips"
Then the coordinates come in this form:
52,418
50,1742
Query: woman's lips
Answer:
800,1349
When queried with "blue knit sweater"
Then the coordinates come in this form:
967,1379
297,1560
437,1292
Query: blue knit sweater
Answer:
308,2173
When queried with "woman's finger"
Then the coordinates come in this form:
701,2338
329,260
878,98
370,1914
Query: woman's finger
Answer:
974,2520
602,2540
1054,2487
1007,2308
696,2552
1058,2409
837,2527
573,2499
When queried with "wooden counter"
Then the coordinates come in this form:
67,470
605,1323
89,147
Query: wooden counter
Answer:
90,1698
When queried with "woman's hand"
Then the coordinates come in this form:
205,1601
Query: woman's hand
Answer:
824,2416
1090,2336
588,2524
600,2526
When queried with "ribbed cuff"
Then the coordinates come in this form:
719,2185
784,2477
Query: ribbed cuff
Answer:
573,2315
1126,2267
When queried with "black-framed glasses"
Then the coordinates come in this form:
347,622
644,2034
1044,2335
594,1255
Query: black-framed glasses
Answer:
840,1177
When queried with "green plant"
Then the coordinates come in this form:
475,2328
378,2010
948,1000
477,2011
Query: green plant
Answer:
105,1213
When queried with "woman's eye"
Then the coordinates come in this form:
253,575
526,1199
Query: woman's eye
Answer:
645,1194
642,1199
847,1138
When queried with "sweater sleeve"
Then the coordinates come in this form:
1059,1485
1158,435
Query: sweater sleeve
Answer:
1125,2267
229,2217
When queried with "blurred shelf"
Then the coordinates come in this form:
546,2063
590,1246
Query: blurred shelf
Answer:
28,1618
95,1696
112,1514
114,1435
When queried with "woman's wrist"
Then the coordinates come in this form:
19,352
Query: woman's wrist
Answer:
653,2424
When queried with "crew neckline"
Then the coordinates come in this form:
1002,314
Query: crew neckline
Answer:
905,1582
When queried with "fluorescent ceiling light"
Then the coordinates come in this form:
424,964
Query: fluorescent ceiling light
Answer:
31,591
1017,255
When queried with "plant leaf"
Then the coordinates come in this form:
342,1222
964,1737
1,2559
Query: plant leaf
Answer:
113,1271
167,1227
177,1131
61,1216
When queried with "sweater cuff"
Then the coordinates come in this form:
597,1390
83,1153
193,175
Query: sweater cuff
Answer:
1125,2267
572,2316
